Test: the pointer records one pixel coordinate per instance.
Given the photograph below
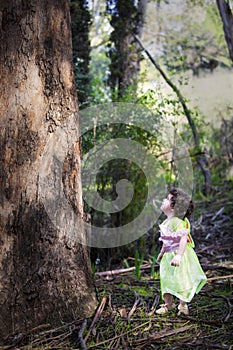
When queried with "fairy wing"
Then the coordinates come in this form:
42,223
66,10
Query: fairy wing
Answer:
190,239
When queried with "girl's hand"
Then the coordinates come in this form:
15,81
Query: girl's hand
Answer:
176,260
160,256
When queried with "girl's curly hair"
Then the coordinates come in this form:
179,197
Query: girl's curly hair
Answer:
181,202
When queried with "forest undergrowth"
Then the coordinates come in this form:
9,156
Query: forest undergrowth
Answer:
125,318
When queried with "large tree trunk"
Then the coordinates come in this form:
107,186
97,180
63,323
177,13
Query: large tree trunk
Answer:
43,276
227,19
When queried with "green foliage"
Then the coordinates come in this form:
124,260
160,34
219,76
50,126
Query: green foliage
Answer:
115,170
99,73
192,39
154,271
142,291
138,262
196,40
221,150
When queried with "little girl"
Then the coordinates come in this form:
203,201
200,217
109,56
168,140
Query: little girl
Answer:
181,274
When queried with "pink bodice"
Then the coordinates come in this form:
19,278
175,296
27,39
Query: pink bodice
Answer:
171,238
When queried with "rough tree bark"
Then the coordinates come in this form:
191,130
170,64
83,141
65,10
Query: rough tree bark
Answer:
42,276
227,19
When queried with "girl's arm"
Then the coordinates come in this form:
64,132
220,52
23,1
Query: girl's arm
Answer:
160,254
177,258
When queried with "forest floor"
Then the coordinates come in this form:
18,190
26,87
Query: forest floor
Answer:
125,318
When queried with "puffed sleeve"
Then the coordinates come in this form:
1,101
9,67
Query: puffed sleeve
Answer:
179,226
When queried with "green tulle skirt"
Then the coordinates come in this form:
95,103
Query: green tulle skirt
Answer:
183,281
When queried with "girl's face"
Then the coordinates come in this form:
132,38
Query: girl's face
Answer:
166,205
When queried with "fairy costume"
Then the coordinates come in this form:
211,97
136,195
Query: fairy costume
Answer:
187,279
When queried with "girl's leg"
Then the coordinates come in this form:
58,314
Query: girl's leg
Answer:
183,303
183,308
167,306
168,299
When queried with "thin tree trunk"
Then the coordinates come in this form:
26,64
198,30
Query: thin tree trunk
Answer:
127,19
227,19
80,25
43,275
201,158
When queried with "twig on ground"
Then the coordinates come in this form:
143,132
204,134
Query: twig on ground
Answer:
97,316
119,271
211,279
216,267
80,335
154,305
219,212
230,306
163,334
134,308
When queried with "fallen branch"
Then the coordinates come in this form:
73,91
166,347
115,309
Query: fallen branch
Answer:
225,247
230,306
216,267
164,334
134,308
219,212
154,305
97,316
80,335
219,278
119,271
